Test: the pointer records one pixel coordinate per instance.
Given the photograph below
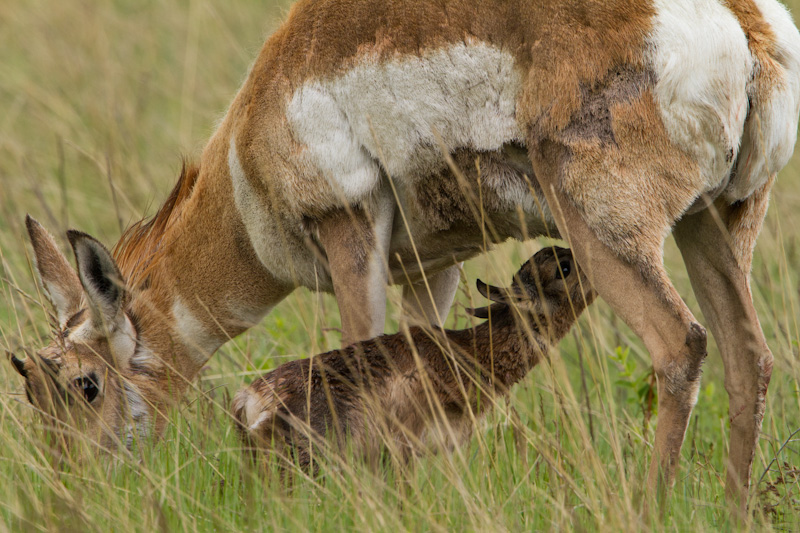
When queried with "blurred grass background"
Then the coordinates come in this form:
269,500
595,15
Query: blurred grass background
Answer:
98,103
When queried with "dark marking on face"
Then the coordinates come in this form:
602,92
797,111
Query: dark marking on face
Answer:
99,277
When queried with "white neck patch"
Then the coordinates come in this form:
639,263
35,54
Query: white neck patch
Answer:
194,334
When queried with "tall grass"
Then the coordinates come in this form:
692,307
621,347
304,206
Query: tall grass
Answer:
98,102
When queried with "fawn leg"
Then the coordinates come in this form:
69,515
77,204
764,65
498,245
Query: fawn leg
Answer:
717,246
417,302
356,242
638,290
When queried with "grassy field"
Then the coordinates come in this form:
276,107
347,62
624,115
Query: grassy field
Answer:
99,101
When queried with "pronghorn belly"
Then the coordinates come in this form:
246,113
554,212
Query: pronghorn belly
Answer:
450,216
399,115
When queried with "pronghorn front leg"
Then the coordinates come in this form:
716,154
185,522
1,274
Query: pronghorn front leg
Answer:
429,300
356,242
717,246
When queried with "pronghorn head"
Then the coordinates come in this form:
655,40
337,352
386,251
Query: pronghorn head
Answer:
549,289
77,383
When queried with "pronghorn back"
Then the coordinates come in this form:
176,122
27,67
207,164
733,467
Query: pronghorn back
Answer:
326,114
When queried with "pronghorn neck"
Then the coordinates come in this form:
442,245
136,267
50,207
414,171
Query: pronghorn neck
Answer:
195,279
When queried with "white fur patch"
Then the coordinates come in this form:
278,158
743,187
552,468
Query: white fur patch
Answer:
390,114
265,416
770,133
321,124
702,64
84,333
63,305
194,334
377,277
121,340
138,415
394,110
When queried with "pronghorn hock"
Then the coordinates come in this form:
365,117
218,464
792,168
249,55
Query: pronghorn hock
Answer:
608,122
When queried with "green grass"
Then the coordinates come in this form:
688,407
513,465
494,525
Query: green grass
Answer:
99,100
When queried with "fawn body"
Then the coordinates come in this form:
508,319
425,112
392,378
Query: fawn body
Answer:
608,122
415,390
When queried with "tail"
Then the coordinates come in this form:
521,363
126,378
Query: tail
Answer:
239,411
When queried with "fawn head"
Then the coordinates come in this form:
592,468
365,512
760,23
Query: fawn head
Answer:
549,288
76,381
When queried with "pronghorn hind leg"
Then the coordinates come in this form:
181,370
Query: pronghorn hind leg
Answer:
356,242
418,304
627,271
717,246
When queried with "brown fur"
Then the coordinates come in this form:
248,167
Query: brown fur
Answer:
355,237
398,392
561,46
136,250
60,281
563,43
606,180
599,153
761,40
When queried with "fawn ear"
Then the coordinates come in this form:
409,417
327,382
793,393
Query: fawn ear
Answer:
101,279
60,282
485,312
498,294
19,364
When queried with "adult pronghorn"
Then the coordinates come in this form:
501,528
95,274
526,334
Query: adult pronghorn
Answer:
631,117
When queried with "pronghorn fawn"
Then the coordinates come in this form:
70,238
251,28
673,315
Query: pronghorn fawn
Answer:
420,389
385,142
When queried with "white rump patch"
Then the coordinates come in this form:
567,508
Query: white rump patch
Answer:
768,140
392,111
702,65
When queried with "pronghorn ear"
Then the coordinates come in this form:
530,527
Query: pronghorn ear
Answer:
101,279
61,283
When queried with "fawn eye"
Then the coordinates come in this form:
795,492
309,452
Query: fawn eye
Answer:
564,268
88,386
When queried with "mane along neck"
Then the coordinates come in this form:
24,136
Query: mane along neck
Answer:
139,245
194,279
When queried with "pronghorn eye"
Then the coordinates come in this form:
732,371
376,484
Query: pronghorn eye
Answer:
88,385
